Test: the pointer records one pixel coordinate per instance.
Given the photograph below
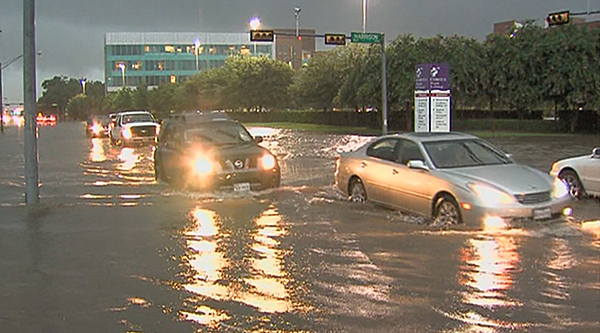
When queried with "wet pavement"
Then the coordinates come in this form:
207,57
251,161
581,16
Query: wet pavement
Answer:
110,250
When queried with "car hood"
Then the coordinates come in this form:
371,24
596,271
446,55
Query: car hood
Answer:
512,178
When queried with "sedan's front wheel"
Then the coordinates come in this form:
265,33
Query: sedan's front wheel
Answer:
357,191
446,212
573,183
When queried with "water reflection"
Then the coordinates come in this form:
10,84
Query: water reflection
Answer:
236,261
487,273
97,151
129,159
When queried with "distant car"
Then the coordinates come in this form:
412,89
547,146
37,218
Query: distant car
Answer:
210,151
134,128
450,178
581,174
46,120
97,127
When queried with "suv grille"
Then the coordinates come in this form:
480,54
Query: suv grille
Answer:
533,198
238,163
141,131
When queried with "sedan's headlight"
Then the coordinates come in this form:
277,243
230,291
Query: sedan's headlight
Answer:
491,196
560,188
267,161
202,165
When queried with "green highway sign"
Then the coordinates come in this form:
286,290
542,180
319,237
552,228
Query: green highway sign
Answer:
366,37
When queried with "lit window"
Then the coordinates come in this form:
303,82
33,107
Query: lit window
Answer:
173,79
147,49
169,48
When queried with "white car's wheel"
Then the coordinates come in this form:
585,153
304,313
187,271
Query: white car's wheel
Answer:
571,178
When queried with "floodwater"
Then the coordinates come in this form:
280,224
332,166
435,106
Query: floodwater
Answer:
110,250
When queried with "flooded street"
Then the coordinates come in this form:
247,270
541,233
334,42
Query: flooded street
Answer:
111,250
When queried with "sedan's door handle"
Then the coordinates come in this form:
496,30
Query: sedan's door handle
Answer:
363,164
394,172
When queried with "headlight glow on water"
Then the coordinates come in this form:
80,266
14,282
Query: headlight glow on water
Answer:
267,161
560,188
491,196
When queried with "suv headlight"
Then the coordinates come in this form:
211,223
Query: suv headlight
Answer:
268,161
560,189
202,165
491,196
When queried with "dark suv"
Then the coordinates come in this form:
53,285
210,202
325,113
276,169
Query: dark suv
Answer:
210,151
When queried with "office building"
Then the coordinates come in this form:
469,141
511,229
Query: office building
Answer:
154,58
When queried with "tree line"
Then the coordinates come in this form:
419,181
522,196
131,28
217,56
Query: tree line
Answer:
531,69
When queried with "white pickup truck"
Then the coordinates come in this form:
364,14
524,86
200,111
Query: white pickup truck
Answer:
134,128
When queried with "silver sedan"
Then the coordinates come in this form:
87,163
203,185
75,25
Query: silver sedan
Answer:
451,178
581,173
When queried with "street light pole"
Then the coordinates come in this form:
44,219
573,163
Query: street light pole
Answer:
254,25
83,82
364,16
297,15
196,50
32,190
122,66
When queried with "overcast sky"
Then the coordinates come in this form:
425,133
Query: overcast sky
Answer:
70,33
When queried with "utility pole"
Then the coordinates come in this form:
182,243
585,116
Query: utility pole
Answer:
1,102
384,110
30,104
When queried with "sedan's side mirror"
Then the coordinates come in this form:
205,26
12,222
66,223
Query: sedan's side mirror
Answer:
417,164
258,139
596,152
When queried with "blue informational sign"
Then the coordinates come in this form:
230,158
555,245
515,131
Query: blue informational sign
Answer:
439,76
432,97
422,76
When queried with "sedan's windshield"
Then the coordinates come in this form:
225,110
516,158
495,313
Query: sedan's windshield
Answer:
137,118
464,153
218,133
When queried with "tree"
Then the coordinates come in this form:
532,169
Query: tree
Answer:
57,92
79,107
318,84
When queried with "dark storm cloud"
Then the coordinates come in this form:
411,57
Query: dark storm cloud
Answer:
70,33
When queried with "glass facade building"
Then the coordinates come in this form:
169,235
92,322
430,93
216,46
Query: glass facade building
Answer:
154,58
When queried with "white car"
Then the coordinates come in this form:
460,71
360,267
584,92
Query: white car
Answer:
581,174
134,127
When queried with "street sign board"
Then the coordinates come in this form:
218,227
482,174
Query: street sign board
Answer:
366,37
432,98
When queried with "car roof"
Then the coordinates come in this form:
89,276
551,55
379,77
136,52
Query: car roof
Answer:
134,112
200,117
436,136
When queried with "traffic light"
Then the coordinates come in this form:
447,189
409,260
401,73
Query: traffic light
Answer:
262,35
335,39
558,18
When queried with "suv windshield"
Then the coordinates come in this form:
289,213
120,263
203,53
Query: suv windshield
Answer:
218,133
137,118
464,153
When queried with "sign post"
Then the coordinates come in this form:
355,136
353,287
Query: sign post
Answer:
377,38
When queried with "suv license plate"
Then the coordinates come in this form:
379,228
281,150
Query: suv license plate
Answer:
241,187
542,213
